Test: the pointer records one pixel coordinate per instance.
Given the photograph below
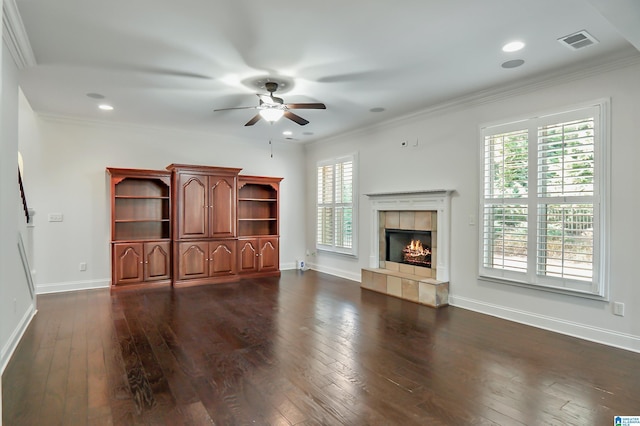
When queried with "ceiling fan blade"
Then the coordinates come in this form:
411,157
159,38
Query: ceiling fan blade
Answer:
291,116
254,120
228,109
306,106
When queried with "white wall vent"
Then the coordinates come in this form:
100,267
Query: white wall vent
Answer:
578,40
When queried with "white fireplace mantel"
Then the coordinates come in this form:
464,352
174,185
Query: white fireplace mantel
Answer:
433,200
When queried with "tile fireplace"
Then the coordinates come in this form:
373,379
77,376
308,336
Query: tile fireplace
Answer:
409,255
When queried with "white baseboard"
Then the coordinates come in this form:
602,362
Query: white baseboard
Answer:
14,339
595,334
288,266
347,275
72,286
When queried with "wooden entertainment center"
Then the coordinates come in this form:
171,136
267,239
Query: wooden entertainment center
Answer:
192,225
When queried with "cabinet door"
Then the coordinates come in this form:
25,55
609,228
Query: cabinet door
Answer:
247,255
193,207
193,260
157,261
269,259
222,259
127,263
222,203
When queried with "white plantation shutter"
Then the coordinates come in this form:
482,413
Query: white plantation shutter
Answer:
505,233
335,205
505,237
566,172
542,201
565,242
325,204
566,159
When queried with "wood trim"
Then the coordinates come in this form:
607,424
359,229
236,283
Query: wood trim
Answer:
227,171
118,174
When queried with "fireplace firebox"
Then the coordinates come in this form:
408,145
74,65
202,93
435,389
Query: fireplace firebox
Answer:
408,246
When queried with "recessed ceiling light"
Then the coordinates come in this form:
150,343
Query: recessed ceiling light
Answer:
513,46
376,109
105,107
515,63
95,95
287,133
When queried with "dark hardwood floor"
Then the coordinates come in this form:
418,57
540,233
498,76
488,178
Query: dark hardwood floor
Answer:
303,349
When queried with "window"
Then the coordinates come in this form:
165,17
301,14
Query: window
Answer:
543,205
336,209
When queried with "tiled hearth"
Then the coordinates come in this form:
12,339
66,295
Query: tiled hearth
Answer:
419,211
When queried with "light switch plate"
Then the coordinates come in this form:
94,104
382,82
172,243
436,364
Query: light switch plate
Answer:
55,217
618,308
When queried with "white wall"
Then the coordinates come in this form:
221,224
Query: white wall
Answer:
16,305
447,158
66,163
3,152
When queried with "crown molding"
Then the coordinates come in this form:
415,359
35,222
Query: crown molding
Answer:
138,127
617,60
15,36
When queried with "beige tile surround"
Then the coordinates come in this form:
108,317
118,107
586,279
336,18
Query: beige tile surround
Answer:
404,281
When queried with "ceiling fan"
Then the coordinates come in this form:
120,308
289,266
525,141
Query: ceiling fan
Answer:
272,108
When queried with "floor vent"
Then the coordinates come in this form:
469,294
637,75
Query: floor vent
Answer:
578,40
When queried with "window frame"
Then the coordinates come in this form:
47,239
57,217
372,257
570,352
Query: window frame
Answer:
598,287
334,248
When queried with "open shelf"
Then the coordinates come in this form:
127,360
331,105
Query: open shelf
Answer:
258,206
135,187
141,205
142,208
251,209
258,192
257,227
141,230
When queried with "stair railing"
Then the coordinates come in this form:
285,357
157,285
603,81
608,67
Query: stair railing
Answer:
24,198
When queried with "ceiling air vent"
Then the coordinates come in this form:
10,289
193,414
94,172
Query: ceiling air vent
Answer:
578,40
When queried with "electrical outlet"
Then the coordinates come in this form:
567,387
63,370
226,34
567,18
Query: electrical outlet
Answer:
83,266
618,308
55,217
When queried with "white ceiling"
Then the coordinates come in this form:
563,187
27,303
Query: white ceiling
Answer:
163,63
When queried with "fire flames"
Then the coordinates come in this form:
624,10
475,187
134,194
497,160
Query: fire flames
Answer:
417,254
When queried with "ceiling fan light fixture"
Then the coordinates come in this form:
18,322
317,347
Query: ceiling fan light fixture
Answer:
272,108
271,114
